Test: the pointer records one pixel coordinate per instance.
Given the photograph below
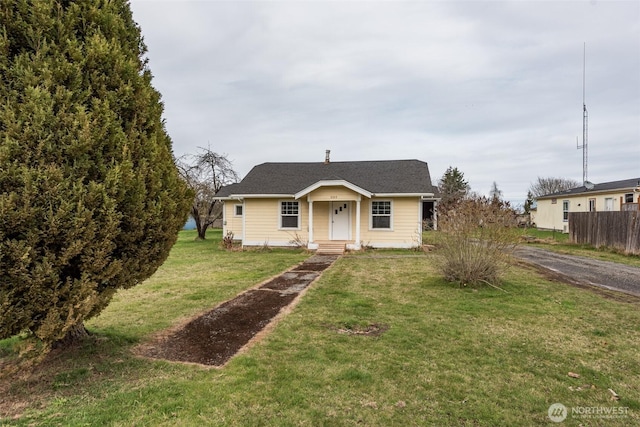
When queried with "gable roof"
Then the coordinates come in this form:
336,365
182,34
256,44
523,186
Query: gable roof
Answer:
625,184
376,177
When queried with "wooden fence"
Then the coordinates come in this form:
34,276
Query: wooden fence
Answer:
619,230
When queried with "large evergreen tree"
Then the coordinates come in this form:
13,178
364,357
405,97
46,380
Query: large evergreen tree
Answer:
452,186
90,198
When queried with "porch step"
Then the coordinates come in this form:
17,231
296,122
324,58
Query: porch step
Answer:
331,248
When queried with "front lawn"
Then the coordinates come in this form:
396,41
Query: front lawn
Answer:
379,340
557,241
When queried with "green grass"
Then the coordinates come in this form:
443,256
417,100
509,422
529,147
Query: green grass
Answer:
196,275
559,242
450,356
554,236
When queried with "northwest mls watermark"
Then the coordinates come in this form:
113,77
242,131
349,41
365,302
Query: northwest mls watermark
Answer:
558,412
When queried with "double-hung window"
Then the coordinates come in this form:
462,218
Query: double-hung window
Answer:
381,214
565,210
289,215
608,204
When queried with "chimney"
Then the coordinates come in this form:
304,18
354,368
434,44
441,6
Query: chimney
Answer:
326,157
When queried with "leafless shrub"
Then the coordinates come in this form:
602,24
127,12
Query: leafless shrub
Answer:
476,238
265,247
298,242
366,246
228,241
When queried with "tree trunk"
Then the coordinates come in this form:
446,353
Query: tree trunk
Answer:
75,335
202,230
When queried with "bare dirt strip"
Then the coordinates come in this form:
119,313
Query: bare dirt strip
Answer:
214,337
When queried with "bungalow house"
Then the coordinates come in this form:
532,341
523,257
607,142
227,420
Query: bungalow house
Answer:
374,203
552,211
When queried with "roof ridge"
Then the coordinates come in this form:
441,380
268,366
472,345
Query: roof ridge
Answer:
342,161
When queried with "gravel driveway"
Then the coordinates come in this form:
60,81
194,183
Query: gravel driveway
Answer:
581,270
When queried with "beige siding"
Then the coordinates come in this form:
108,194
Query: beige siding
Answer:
262,223
333,193
262,220
548,215
321,220
406,224
231,222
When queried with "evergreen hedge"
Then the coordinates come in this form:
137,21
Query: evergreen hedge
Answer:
90,198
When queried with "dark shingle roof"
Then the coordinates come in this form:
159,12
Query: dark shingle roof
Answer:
385,176
605,186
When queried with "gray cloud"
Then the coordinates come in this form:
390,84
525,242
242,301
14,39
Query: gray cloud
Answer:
493,88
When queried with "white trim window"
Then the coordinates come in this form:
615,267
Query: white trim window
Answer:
381,214
237,210
290,215
628,198
565,210
608,204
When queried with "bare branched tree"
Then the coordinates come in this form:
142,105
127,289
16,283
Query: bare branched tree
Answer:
544,186
206,173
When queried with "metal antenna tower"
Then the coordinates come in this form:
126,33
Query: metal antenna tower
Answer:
585,120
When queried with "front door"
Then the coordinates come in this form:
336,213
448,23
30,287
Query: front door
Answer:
340,220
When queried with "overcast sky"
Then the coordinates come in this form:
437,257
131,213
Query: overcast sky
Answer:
492,88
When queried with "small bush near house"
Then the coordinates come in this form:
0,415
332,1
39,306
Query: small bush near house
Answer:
476,238
228,241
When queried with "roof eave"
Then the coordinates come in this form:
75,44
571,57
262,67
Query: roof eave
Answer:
333,183
255,196
421,195
589,192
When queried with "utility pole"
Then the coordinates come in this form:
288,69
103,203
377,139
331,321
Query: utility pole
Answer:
585,120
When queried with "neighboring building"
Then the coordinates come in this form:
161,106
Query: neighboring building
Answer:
552,211
373,203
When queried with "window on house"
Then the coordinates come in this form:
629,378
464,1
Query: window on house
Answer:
289,215
608,204
565,210
238,210
381,214
592,205
628,198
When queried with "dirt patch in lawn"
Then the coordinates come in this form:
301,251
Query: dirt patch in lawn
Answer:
372,330
214,337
